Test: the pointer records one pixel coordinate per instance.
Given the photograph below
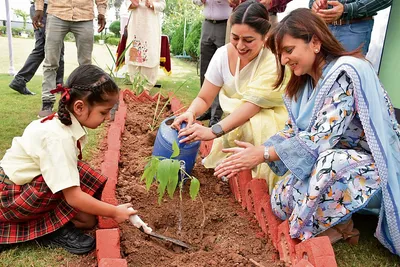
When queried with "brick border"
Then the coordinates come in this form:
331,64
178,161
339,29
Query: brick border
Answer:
251,193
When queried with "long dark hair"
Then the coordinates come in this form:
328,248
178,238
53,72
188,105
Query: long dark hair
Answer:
88,83
303,24
253,14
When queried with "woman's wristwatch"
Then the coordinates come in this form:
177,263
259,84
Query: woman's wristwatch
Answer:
266,154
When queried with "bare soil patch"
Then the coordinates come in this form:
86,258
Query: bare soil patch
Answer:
219,231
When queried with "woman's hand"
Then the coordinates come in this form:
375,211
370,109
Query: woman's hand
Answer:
123,212
134,4
188,116
149,4
196,132
244,157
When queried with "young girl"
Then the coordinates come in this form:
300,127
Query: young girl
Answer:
46,192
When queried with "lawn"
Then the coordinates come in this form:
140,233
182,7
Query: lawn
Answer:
18,110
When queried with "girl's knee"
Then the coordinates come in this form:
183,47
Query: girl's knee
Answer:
84,221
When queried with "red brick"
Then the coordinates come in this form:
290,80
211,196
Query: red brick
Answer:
205,148
244,177
318,251
254,191
233,183
110,170
145,97
120,118
267,220
303,263
109,190
155,97
114,137
286,245
106,223
112,156
176,105
128,93
107,244
107,262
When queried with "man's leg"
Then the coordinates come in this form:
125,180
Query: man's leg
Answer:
207,50
32,63
83,32
56,30
351,36
219,31
60,71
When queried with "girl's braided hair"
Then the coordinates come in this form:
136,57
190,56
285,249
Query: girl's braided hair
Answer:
88,83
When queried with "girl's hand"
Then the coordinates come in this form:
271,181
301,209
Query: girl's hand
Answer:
134,3
123,212
244,157
195,132
188,116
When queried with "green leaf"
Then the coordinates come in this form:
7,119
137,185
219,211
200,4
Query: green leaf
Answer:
150,171
175,150
194,188
173,177
162,177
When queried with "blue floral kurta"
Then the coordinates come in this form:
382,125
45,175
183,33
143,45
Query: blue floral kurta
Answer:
333,173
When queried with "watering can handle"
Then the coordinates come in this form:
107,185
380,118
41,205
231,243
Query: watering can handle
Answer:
137,222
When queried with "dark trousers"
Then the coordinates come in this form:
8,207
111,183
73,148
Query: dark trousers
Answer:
36,57
212,38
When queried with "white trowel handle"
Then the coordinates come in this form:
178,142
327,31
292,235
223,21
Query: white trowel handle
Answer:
137,222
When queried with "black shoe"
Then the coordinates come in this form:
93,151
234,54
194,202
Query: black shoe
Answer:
205,116
47,109
70,238
20,89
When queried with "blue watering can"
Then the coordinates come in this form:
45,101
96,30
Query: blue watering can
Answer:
164,140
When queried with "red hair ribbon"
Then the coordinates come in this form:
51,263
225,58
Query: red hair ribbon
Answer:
64,90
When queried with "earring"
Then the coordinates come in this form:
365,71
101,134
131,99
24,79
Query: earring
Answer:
316,51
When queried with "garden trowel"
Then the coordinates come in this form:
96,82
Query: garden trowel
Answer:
138,223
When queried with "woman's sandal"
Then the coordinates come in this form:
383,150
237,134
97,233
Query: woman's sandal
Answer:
343,231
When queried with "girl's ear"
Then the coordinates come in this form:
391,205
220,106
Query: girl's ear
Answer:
78,108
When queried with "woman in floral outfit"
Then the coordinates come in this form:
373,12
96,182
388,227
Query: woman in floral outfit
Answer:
340,145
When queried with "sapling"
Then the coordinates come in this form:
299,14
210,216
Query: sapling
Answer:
165,172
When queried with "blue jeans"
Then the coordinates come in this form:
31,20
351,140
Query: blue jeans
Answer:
351,36
36,57
83,32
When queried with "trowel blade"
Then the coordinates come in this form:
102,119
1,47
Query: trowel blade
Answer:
166,238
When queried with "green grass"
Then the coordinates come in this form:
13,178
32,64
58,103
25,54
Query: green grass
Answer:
17,111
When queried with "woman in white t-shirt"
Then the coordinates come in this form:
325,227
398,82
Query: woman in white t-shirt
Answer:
46,192
243,73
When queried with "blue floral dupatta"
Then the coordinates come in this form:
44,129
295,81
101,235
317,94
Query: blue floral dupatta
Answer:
383,136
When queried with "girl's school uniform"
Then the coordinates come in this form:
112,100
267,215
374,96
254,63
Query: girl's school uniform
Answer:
33,173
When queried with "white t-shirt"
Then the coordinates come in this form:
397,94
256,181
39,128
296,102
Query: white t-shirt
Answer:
48,148
218,72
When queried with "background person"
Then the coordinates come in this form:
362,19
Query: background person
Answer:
341,142
213,29
36,57
242,73
351,21
46,191
64,16
144,32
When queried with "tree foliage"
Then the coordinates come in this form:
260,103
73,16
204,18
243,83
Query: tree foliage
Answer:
115,28
22,14
175,13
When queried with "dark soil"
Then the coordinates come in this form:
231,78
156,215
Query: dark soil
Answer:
219,231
